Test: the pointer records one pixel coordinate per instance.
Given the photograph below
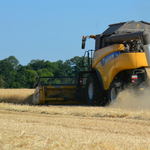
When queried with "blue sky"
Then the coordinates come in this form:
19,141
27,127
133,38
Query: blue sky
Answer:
52,29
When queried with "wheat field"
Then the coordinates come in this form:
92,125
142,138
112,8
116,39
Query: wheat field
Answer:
116,127
16,96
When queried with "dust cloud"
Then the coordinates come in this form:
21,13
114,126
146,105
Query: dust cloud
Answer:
130,99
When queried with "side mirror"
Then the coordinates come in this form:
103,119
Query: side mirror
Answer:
83,42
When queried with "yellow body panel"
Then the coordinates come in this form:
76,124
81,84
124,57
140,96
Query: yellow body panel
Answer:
130,61
107,73
100,54
141,60
123,61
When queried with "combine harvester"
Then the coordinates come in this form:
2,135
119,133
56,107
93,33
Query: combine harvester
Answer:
121,57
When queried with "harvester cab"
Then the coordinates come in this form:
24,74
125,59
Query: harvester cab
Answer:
121,58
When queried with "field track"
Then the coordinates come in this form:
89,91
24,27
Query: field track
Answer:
72,127
66,127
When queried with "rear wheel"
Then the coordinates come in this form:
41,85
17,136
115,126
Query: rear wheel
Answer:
93,90
113,91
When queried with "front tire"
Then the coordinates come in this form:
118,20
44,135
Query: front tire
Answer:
93,90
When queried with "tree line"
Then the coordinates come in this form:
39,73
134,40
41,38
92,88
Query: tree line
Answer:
15,75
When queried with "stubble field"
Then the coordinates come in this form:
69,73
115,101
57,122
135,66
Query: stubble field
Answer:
125,124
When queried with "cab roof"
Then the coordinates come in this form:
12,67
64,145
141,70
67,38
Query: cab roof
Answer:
127,27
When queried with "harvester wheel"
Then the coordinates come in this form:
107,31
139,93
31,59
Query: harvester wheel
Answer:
93,90
112,92
114,89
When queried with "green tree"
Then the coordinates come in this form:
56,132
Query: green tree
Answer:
45,73
21,78
36,64
64,69
31,77
51,66
13,61
75,65
6,69
2,81
14,75
16,85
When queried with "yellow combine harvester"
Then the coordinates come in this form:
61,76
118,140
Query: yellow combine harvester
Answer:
121,57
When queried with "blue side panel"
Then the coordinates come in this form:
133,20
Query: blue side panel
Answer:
109,58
